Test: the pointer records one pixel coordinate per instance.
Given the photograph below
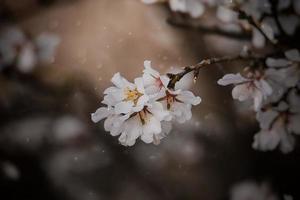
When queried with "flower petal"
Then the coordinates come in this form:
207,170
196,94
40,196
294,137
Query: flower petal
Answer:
100,114
123,107
232,79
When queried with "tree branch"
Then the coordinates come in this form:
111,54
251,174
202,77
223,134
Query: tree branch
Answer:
251,21
174,78
209,30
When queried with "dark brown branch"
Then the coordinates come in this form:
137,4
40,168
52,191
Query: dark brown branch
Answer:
274,4
251,21
174,78
209,30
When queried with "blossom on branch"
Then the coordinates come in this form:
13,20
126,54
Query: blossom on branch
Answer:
139,109
253,86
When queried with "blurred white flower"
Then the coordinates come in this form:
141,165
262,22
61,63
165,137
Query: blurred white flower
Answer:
278,124
67,128
11,41
254,86
17,49
195,8
275,136
288,197
250,190
292,55
10,170
46,44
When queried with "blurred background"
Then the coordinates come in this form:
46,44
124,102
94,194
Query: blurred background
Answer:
50,149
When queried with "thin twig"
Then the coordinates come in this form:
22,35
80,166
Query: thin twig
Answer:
251,21
174,78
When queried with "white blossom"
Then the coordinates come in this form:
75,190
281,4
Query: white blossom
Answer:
144,108
125,97
254,86
17,49
179,103
250,190
130,113
278,124
153,81
195,8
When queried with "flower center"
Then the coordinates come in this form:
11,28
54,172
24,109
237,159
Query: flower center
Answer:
132,95
170,99
142,115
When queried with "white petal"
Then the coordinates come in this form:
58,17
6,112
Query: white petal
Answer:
108,123
268,30
232,79
27,59
100,114
46,44
294,124
289,23
152,127
111,90
149,70
165,81
258,39
123,107
280,62
150,1
293,55
258,100
188,98
294,101
242,92
158,111
287,143
139,85
266,118
142,100
266,140
120,82
195,8
264,87
226,15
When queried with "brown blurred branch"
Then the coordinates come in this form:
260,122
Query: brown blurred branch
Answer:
209,30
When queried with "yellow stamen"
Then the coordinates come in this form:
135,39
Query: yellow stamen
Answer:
132,95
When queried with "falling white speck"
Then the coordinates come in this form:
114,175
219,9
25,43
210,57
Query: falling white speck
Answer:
78,23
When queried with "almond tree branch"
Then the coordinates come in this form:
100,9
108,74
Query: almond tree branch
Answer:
174,78
209,30
251,21
274,4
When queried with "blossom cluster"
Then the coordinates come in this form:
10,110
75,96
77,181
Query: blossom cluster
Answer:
275,90
261,12
19,50
145,108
